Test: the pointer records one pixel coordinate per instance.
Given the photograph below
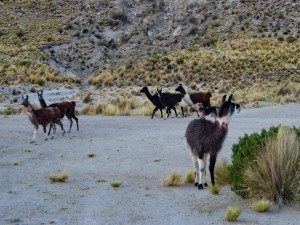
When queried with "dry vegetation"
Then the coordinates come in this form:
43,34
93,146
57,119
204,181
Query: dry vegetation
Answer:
240,47
23,33
263,67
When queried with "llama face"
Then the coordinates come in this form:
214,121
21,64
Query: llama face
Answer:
159,92
235,107
180,89
226,110
25,101
144,89
40,95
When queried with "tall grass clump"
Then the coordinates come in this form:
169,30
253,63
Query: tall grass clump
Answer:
233,212
275,174
222,175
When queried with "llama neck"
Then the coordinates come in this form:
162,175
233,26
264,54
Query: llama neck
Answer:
148,94
30,112
182,91
43,103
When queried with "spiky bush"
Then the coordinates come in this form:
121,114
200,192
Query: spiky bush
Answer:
267,165
275,174
243,153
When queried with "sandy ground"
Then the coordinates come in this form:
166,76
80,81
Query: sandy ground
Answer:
125,149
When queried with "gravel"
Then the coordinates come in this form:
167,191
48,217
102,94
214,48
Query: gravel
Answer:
125,149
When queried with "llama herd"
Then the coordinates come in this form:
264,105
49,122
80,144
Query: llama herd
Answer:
199,101
204,137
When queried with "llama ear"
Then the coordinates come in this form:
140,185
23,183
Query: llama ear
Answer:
22,97
26,97
41,91
230,97
223,98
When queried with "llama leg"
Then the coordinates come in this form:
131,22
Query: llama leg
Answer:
182,111
174,111
196,167
212,162
61,126
201,170
168,111
154,110
54,129
71,123
45,131
204,175
34,133
161,113
76,119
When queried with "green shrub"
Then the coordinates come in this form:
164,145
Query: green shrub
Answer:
245,152
291,39
40,82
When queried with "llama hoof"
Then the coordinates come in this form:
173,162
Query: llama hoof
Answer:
196,184
205,184
200,186
46,139
31,142
52,137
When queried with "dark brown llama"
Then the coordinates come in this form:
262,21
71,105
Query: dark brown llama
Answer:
66,108
42,117
206,137
194,98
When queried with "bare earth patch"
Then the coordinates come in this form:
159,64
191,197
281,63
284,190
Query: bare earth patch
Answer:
124,149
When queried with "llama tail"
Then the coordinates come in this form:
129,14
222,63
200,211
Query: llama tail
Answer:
74,103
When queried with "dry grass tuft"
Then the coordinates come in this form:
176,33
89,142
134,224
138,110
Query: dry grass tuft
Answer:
173,180
116,184
91,155
275,175
233,212
214,189
262,205
62,177
190,177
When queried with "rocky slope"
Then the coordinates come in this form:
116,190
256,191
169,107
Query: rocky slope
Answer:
104,34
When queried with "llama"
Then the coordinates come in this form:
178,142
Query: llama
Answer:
44,105
194,98
41,117
170,101
213,110
206,137
155,101
66,108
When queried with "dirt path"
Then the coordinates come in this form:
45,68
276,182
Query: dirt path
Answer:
125,149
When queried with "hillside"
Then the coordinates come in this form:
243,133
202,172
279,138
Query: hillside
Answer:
210,45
